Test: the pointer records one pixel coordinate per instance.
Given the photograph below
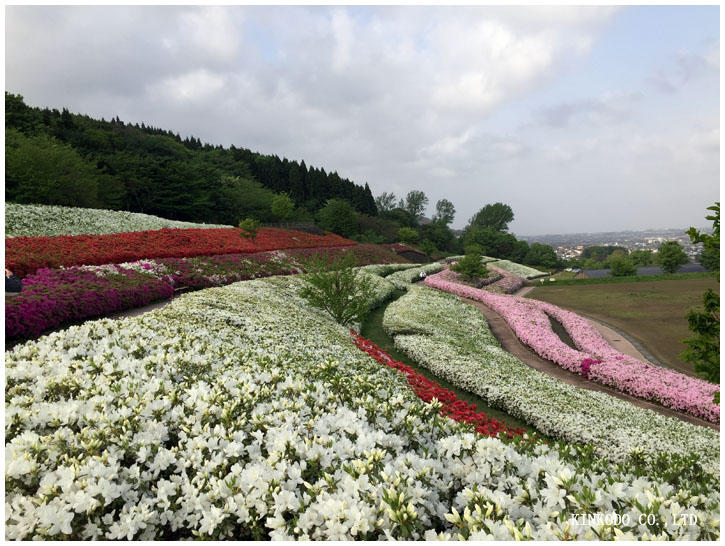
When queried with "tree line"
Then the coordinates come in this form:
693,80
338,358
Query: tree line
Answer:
60,158
56,157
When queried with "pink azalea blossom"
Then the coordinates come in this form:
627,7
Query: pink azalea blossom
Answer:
529,319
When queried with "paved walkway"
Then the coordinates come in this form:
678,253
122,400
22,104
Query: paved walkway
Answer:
505,335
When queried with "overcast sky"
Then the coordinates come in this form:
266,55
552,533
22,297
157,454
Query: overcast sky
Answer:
581,119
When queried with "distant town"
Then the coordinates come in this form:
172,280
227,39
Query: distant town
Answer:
571,245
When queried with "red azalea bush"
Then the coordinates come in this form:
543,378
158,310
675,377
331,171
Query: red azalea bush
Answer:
25,255
458,410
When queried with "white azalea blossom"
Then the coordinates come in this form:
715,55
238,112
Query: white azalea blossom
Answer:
241,413
53,221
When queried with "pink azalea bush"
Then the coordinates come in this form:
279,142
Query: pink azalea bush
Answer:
529,319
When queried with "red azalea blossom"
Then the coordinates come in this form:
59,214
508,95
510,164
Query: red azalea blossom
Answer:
25,255
458,410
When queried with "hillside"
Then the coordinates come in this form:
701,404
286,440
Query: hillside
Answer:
60,158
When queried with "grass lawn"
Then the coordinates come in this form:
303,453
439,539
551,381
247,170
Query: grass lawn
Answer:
653,313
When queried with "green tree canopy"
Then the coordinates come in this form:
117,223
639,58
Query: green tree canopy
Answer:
489,241
710,255
671,256
40,169
408,235
540,254
622,266
445,212
282,206
496,216
338,216
236,197
385,202
415,203
642,258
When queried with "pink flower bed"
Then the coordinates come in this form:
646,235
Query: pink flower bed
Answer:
596,359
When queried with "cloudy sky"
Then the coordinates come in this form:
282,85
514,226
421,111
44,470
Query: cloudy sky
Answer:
580,118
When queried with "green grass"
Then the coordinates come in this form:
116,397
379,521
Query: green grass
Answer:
652,312
644,278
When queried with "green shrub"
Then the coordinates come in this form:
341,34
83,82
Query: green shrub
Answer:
345,293
471,267
249,227
408,235
703,348
622,267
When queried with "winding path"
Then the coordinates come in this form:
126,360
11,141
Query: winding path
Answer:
506,336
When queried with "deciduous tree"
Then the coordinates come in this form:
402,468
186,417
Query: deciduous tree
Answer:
496,216
671,256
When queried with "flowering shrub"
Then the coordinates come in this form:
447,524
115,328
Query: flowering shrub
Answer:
508,283
452,339
586,366
52,221
238,412
452,276
528,319
427,390
402,279
518,270
25,255
51,297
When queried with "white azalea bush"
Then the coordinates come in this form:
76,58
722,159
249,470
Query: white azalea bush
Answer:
240,413
402,279
452,339
53,221
518,269
514,268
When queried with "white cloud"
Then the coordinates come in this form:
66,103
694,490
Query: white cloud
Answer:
399,97
195,86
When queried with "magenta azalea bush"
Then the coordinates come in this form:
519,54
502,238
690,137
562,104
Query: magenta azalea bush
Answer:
529,319
51,297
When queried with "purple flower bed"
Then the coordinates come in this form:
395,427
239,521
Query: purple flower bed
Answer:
51,297
596,359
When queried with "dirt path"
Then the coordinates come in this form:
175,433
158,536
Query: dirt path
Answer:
505,335
140,310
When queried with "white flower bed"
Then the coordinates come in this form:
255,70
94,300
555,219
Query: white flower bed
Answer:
52,221
452,339
239,412
403,279
518,269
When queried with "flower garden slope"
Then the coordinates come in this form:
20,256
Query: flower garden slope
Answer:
238,412
52,297
453,340
528,319
25,255
52,221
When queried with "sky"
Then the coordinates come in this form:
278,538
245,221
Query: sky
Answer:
582,119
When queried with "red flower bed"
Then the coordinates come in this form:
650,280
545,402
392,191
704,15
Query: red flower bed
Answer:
25,255
458,410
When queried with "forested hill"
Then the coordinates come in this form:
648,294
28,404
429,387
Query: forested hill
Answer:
56,157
